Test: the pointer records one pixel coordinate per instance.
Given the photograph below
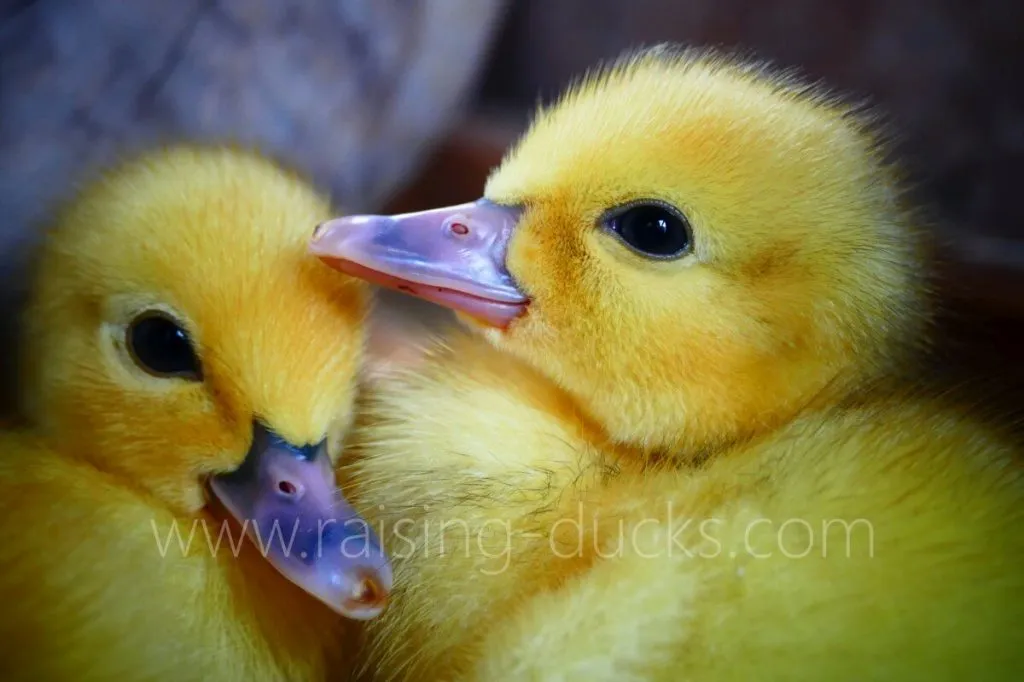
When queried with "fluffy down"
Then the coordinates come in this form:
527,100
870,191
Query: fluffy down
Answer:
876,539
715,466
115,561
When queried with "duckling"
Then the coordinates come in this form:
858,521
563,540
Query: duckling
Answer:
173,509
683,436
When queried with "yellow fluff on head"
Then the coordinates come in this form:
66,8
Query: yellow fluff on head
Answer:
213,237
113,563
804,275
715,467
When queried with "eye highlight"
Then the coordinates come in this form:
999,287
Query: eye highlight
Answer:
652,229
160,346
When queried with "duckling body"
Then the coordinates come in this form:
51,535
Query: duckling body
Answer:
687,438
100,586
169,411
529,547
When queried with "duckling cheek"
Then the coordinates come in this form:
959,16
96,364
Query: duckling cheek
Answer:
291,509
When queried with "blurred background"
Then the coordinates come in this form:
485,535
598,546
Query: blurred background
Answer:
406,104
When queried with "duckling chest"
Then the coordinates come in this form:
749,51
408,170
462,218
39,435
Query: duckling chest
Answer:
104,586
237,617
476,526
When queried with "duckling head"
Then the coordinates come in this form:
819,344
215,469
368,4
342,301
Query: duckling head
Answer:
693,246
180,339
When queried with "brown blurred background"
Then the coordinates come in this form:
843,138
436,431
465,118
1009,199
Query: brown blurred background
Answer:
405,104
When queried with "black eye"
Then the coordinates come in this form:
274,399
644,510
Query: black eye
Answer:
159,345
652,229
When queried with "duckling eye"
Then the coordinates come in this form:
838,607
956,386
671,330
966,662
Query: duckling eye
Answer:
652,229
159,346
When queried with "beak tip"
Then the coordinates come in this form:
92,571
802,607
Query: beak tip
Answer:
369,596
316,242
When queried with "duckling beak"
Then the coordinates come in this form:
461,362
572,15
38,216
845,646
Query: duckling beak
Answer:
286,499
453,256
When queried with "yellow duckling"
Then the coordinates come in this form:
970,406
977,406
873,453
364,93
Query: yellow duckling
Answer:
184,361
691,446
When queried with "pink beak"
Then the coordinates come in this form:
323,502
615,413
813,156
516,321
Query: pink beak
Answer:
323,545
453,256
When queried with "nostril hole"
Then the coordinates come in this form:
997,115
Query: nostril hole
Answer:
287,488
460,229
317,230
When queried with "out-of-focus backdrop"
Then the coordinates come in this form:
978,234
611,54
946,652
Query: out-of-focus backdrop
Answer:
405,104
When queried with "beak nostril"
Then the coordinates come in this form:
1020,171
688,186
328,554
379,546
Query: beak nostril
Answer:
317,230
460,229
288,488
